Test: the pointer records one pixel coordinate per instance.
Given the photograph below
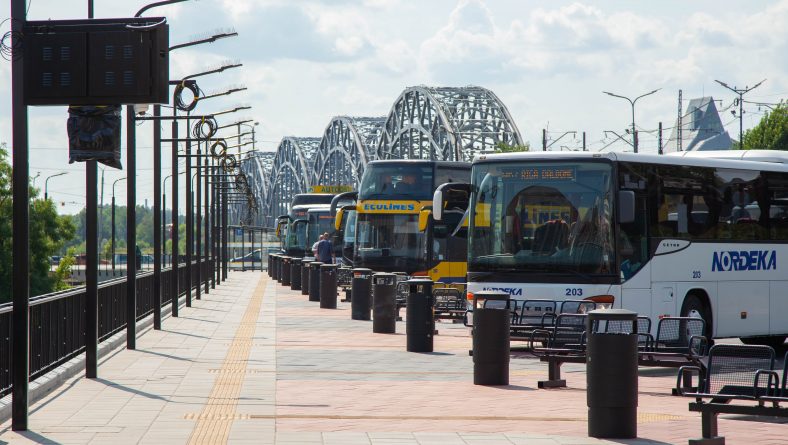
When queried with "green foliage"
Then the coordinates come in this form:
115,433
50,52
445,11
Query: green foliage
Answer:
502,147
48,233
63,271
771,133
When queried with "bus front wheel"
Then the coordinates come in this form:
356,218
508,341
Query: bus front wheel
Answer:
694,306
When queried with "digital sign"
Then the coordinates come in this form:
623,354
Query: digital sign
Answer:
540,173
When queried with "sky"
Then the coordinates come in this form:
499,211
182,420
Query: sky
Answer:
548,61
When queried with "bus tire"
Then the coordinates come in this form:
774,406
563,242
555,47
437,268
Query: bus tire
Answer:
695,306
777,342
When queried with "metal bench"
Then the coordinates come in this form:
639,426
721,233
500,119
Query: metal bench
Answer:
734,373
450,303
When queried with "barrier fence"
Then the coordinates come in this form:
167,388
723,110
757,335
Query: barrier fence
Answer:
57,320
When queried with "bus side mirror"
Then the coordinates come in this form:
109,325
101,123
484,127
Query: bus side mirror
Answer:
626,206
424,219
437,206
338,219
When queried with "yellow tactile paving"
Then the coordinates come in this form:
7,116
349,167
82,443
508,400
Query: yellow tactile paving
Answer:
214,422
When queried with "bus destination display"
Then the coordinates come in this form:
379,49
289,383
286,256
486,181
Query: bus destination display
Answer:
540,173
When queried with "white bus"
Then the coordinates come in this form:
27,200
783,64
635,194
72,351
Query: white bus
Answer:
689,235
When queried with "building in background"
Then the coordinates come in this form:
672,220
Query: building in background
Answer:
701,129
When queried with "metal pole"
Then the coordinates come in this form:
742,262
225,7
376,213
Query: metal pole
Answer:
131,230
224,228
207,224
189,214
174,282
659,147
215,224
157,219
741,120
544,139
198,225
20,334
634,132
112,240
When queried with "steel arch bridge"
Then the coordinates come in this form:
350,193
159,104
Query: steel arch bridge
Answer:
348,144
290,174
258,167
446,123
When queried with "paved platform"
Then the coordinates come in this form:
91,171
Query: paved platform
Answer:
253,362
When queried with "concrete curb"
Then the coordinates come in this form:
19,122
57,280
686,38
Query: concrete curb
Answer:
55,378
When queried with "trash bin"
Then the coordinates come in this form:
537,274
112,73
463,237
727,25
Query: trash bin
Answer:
277,268
361,304
491,320
384,297
314,280
328,286
295,274
419,316
612,375
269,265
286,271
305,269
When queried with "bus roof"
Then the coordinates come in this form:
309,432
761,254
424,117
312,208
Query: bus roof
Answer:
744,161
319,208
777,156
421,161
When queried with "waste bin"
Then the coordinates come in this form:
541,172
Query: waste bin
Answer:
384,297
268,269
491,320
295,274
328,286
612,375
361,304
278,268
286,271
305,270
314,280
419,316
273,265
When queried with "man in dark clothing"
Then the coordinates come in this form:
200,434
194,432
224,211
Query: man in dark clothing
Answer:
325,250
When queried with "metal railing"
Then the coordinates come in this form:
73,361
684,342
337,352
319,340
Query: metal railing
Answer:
57,320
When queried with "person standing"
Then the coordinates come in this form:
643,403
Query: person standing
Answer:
325,250
314,248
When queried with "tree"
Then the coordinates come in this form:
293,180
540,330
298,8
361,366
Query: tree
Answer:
48,233
771,133
502,147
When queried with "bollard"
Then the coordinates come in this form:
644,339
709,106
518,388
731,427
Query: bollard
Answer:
304,277
268,269
384,298
328,286
286,271
295,274
612,375
278,268
361,304
273,266
419,316
314,280
491,338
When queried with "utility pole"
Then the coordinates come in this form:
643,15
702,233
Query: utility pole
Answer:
679,125
584,141
659,147
544,139
741,92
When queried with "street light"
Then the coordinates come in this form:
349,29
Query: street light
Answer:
741,92
113,222
46,181
253,135
632,102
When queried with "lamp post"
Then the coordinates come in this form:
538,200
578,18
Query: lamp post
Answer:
46,183
632,102
253,129
113,224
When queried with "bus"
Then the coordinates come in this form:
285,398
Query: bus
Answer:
343,207
318,222
393,233
292,228
701,235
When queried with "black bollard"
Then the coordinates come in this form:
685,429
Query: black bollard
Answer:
314,280
286,271
612,375
273,266
328,286
278,268
268,269
384,297
361,304
304,277
295,274
419,317
491,320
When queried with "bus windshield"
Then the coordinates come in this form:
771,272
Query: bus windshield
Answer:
390,243
542,217
319,223
296,236
405,180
